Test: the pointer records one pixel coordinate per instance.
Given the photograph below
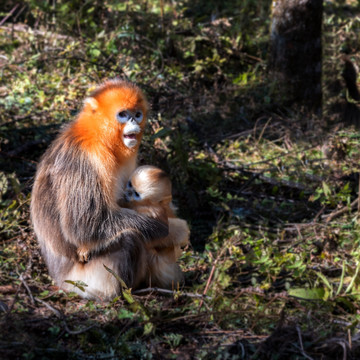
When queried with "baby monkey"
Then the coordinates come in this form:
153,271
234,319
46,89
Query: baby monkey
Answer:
149,193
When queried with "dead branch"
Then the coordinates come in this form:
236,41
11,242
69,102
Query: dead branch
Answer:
61,316
7,289
301,344
261,176
9,14
27,29
169,292
343,210
27,289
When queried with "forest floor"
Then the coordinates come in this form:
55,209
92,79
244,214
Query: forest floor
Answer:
270,192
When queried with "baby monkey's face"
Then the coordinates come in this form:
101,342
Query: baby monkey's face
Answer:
131,194
148,185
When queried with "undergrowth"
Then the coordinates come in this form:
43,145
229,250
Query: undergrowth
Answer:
270,193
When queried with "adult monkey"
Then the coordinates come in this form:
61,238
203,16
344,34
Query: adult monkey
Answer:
74,198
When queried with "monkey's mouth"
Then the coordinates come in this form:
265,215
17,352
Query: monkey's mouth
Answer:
130,140
130,136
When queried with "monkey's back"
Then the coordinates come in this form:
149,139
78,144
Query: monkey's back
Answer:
56,194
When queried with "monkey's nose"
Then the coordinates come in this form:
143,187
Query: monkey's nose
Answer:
128,195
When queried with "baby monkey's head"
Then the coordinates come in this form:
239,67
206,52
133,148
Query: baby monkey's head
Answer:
148,184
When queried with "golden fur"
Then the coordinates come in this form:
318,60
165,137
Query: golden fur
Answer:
74,210
149,193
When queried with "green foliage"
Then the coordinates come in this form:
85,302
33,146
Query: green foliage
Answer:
327,196
12,203
255,182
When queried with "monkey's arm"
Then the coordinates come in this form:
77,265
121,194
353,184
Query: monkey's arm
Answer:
104,230
178,236
88,217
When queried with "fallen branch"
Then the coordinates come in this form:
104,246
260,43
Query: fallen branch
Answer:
341,211
23,28
169,292
7,289
27,289
55,311
61,316
211,274
301,344
208,282
9,14
261,176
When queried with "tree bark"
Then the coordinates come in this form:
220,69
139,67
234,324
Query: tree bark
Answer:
296,52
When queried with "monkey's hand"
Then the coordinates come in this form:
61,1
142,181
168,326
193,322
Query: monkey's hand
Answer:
156,222
179,232
155,212
83,254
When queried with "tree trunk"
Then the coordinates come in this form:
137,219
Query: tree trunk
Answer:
295,57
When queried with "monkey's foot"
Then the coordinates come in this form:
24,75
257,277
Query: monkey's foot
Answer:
83,255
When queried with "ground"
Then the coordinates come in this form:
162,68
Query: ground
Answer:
270,192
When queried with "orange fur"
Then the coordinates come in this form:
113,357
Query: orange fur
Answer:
100,136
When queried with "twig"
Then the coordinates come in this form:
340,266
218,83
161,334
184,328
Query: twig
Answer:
252,57
208,282
21,277
230,332
7,289
26,29
350,340
61,316
269,180
13,303
212,273
28,266
262,131
318,214
347,324
76,332
343,210
281,156
301,344
170,292
9,15
248,132
55,311
19,13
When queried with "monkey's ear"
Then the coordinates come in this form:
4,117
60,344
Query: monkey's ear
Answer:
91,102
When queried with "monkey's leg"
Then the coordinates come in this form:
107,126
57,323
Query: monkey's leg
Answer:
179,231
163,271
127,261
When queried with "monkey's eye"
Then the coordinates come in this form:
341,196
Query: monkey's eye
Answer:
137,195
129,184
138,116
122,117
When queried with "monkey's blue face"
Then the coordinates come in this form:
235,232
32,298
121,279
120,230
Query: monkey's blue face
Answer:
127,115
131,194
